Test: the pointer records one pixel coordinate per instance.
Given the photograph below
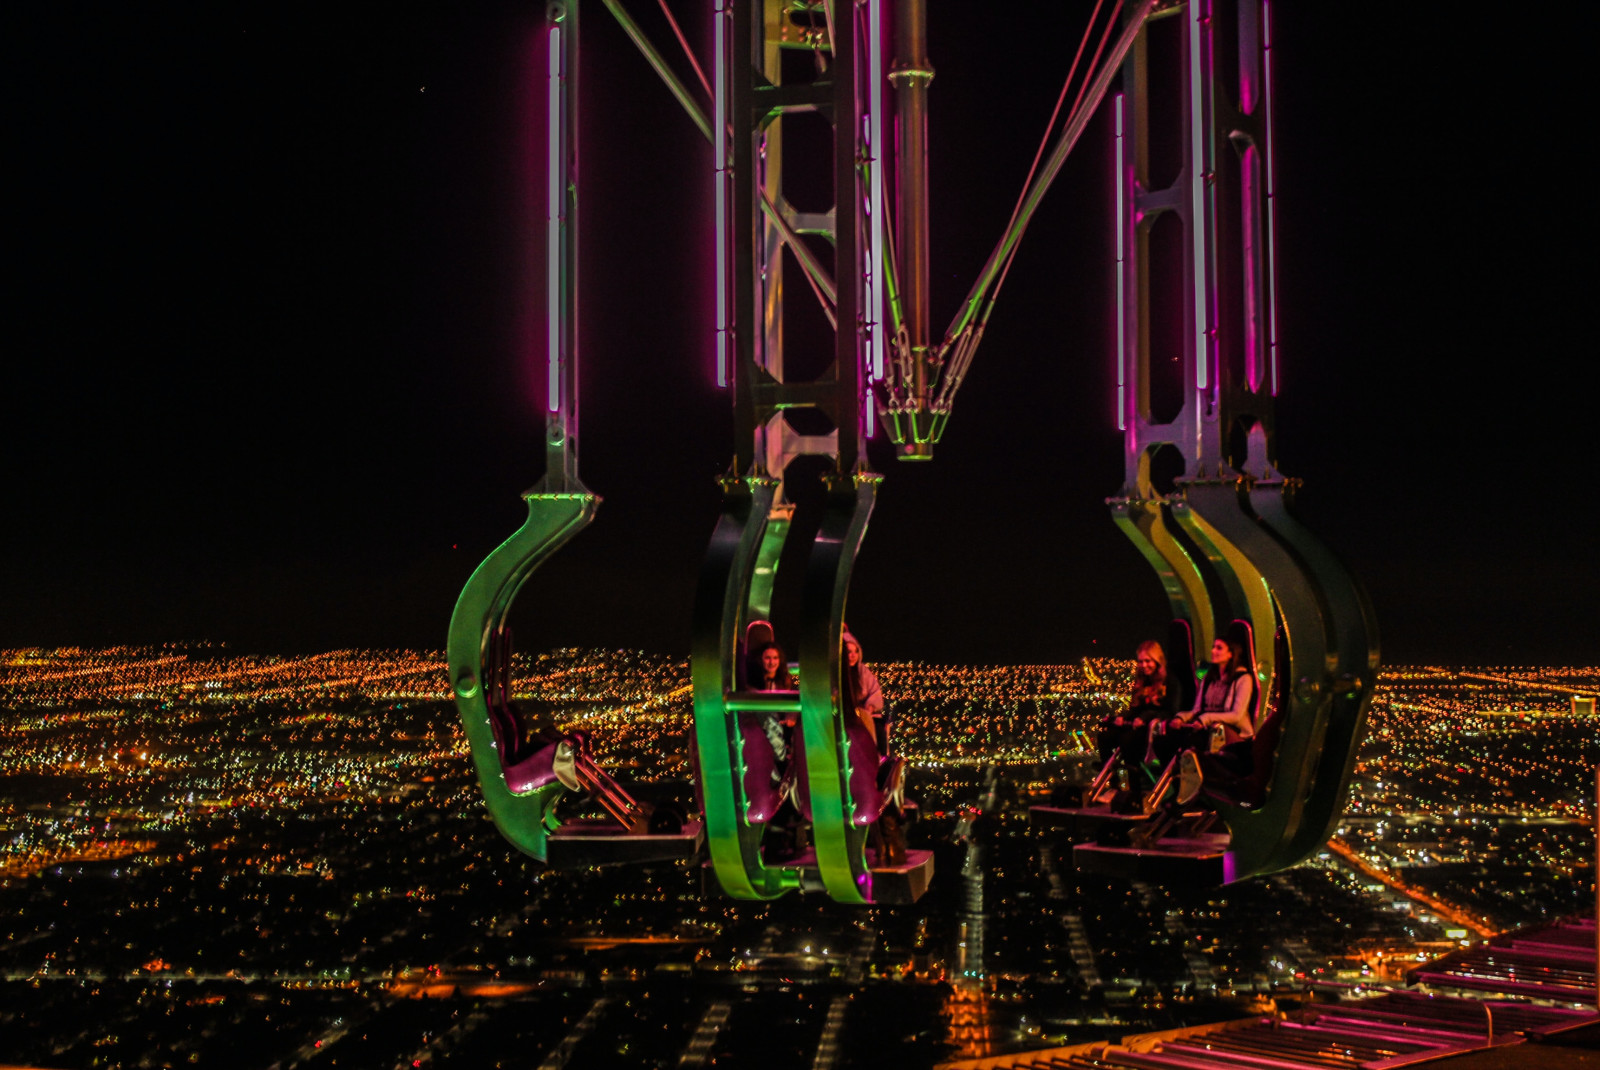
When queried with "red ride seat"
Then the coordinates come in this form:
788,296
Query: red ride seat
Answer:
1250,790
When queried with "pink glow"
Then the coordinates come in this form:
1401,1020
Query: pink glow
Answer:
1250,222
719,134
876,327
1272,205
876,193
1199,223
556,169
1120,181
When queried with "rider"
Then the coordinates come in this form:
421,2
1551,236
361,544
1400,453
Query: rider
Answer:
1226,698
887,836
775,676
865,693
1125,733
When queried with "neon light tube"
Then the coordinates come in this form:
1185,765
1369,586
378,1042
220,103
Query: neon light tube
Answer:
553,280
719,142
1272,206
875,325
1197,186
1251,225
1122,328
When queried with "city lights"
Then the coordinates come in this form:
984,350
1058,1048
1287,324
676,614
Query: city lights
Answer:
179,822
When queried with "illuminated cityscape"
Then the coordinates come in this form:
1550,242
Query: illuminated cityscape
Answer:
218,860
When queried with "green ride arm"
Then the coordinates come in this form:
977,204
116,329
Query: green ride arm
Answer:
840,842
1353,630
719,612
524,819
1264,838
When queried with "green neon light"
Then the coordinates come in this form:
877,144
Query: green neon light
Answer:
840,842
733,841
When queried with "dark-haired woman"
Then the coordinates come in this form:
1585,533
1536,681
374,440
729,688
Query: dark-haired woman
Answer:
1226,698
775,676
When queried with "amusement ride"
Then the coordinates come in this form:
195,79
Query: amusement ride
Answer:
1190,87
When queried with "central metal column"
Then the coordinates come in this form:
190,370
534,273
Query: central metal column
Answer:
1197,374
757,227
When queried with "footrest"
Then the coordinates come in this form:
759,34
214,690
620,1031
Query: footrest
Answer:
1081,823
588,842
904,883
1195,860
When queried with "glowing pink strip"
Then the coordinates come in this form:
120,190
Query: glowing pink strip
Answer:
1272,207
553,227
875,199
719,141
1197,185
1122,326
1250,221
876,195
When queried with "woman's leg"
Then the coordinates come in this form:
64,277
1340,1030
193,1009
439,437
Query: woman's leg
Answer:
1169,743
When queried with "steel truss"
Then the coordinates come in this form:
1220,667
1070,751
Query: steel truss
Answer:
756,224
1224,540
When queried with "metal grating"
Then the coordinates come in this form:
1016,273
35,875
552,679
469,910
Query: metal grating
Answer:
1384,1031
1554,962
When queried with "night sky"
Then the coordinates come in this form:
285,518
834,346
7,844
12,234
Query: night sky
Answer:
272,334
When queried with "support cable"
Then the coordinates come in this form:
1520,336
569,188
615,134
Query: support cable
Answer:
1072,112
1049,127
817,275
674,85
687,51
967,329
1029,200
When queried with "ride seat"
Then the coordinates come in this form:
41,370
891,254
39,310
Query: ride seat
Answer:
1180,664
873,777
762,771
1250,791
527,758
1242,637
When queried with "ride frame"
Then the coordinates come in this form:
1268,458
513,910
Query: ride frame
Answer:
1222,540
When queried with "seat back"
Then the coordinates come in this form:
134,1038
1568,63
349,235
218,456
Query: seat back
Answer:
866,787
1180,665
503,716
1265,752
1242,637
757,634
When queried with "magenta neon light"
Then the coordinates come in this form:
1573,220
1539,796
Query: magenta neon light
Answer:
556,168
876,194
876,253
719,140
1122,323
1198,229
1250,221
1272,205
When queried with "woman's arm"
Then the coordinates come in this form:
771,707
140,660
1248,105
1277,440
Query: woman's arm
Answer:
871,693
1190,716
